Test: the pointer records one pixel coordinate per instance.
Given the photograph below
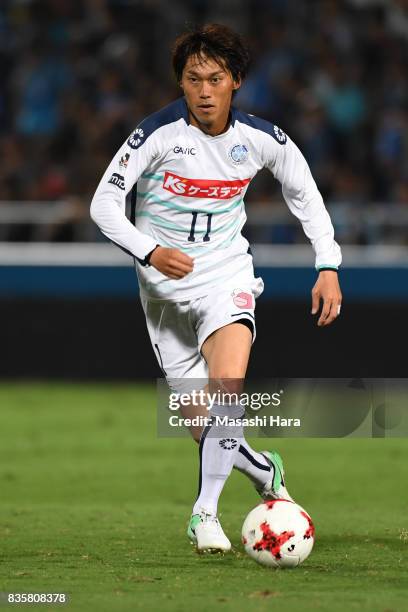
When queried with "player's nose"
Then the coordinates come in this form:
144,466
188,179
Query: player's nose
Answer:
205,92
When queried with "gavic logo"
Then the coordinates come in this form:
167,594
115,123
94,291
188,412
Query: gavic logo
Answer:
203,188
184,150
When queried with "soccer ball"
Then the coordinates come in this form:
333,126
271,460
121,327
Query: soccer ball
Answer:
278,533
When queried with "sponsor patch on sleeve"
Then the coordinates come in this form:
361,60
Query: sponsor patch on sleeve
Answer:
124,160
279,135
136,138
118,180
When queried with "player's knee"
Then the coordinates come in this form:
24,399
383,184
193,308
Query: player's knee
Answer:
226,380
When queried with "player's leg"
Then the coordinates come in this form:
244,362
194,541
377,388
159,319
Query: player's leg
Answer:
259,467
227,352
264,469
174,343
221,439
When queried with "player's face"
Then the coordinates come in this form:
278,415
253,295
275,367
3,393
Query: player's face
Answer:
208,88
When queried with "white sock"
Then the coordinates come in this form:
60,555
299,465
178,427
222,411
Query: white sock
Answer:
253,464
219,446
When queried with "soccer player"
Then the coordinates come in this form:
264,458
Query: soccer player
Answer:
193,162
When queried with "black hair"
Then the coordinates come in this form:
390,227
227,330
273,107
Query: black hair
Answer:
214,41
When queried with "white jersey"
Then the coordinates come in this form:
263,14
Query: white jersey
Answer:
190,195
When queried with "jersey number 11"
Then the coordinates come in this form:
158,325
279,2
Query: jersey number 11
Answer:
206,237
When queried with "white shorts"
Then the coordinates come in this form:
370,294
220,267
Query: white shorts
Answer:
178,330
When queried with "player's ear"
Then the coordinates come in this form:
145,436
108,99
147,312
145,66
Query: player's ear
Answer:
236,84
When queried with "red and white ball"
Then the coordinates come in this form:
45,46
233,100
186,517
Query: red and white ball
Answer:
278,533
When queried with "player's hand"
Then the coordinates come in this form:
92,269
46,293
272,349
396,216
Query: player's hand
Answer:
171,262
327,288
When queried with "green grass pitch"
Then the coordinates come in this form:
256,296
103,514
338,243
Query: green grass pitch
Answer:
95,505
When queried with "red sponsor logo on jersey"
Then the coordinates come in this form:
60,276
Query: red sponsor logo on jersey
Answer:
203,188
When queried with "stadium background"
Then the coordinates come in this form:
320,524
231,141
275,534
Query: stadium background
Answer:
78,76
93,502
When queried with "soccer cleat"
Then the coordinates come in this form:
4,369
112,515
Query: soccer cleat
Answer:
275,488
205,531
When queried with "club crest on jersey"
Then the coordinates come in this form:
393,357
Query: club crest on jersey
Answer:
135,138
242,299
238,154
279,135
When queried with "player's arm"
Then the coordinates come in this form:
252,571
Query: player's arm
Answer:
109,205
304,200
327,288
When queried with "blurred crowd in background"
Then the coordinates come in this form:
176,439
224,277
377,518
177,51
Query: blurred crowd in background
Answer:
78,75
